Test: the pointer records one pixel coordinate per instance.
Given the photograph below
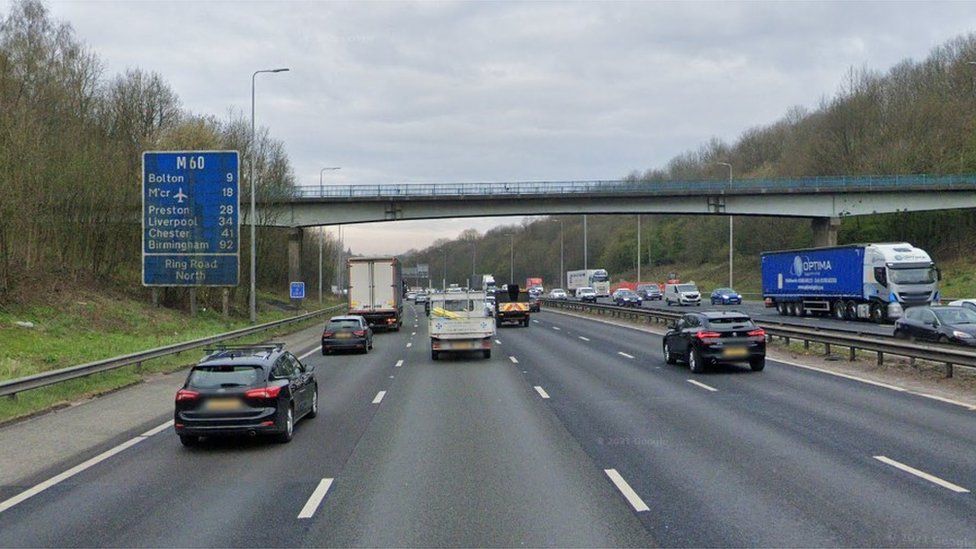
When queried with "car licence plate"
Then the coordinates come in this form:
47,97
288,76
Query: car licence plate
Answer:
343,335
462,345
735,352
224,404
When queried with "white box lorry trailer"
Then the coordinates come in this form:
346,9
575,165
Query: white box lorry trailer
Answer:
598,279
459,322
376,291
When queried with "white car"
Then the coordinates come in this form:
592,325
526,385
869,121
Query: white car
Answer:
586,294
558,293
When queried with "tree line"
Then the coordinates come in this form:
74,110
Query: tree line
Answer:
919,117
71,143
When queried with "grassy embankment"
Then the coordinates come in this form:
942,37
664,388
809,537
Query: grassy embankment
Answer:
87,325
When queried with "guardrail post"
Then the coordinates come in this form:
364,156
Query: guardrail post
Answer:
880,358
912,362
139,367
853,356
949,369
806,343
12,397
827,349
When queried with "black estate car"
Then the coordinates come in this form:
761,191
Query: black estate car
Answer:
245,390
712,337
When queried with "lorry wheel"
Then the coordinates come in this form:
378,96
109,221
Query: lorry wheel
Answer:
434,355
877,315
486,353
840,310
781,308
800,310
498,323
525,323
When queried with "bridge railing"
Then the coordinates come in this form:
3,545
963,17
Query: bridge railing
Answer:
545,188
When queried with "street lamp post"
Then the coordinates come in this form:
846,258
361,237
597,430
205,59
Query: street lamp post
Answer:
322,233
562,272
638,248
585,256
511,264
729,166
253,305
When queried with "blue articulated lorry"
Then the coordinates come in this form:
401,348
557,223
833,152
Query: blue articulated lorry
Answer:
875,282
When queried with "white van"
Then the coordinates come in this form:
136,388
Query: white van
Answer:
685,293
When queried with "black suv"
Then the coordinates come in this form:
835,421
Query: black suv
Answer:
712,337
248,390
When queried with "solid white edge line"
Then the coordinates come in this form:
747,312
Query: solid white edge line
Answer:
308,354
398,363
922,474
513,359
702,385
845,376
379,397
621,353
40,487
896,388
629,494
158,429
584,338
315,499
542,392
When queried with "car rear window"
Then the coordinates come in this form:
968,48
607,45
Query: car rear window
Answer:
727,320
350,324
216,377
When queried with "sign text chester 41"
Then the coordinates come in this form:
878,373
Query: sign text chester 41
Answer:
190,218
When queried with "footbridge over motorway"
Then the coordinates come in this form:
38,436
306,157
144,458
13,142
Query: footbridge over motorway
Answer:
825,200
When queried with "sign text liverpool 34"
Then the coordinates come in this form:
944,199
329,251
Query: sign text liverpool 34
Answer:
190,218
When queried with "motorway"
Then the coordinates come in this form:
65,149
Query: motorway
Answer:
574,433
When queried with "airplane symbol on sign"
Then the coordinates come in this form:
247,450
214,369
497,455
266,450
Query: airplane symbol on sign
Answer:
180,197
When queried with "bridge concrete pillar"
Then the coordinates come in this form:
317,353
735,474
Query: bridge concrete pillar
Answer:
295,254
825,231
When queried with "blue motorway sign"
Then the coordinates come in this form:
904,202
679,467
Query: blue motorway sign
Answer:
297,290
190,218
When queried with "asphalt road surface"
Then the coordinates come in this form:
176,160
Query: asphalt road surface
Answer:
574,433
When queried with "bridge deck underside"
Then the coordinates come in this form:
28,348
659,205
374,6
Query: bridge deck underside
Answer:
314,212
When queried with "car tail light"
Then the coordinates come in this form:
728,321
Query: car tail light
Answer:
186,394
328,334
708,337
758,333
264,392
359,333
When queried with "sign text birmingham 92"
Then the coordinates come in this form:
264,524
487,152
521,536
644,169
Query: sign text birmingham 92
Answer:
190,218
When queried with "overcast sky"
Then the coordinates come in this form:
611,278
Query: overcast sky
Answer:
440,92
